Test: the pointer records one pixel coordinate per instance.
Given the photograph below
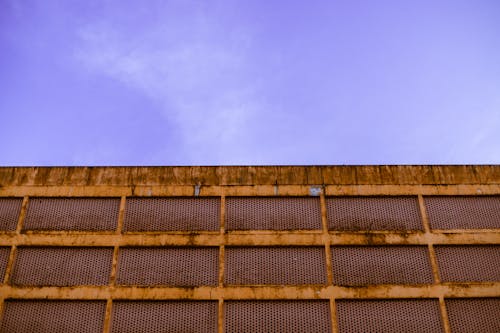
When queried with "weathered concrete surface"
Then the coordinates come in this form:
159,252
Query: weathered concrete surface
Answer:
252,175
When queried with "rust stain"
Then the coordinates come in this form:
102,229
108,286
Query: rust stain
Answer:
253,175
250,181
448,290
250,238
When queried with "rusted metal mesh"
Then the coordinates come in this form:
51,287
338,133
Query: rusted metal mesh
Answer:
62,266
468,263
178,266
277,316
174,214
275,265
463,212
373,213
53,316
361,265
4,259
402,315
172,316
248,265
9,213
79,214
474,315
276,213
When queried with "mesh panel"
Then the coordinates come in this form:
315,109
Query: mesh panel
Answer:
362,265
389,316
273,213
277,316
175,316
178,266
63,266
275,265
474,315
468,263
83,214
447,212
53,316
4,259
373,213
163,214
9,213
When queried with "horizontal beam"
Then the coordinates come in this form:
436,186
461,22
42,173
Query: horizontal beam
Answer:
448,290
252,175
262,238
244,190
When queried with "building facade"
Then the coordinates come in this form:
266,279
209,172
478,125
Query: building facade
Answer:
250,249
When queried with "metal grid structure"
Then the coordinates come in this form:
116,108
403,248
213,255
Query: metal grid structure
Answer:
144,249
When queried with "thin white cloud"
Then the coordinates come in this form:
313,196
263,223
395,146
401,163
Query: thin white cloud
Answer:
192,68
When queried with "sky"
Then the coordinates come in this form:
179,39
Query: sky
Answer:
249,82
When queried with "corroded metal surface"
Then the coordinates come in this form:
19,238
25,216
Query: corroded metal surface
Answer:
377,215
253,175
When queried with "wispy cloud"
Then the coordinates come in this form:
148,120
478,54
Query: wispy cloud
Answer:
249,82
193,69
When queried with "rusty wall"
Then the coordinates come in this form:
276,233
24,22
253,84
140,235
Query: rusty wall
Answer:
250,249
253,175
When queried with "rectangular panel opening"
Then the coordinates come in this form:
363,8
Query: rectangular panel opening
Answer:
373,213
62,266
401,315
76,214
172,214
277,316
275,265
164,316
367,265
273,213
36,316
171,266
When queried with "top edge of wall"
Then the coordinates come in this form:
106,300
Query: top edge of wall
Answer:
252,175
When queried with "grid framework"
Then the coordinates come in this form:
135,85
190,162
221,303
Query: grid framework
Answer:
223,290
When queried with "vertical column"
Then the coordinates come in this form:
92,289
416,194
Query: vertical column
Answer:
114,265
13,250
220,319
434,264
328,257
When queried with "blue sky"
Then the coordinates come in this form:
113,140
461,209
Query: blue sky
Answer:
226,82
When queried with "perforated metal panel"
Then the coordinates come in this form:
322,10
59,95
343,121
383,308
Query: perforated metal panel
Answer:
474,315
176,316
9,213
373,213
277,316
160,271
176,214
62,266
53,316
82,214
275,265
403,315
463,212
468,263
4,259
361,265
276,213
180,266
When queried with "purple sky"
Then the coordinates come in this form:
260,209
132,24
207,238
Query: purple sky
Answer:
184,82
